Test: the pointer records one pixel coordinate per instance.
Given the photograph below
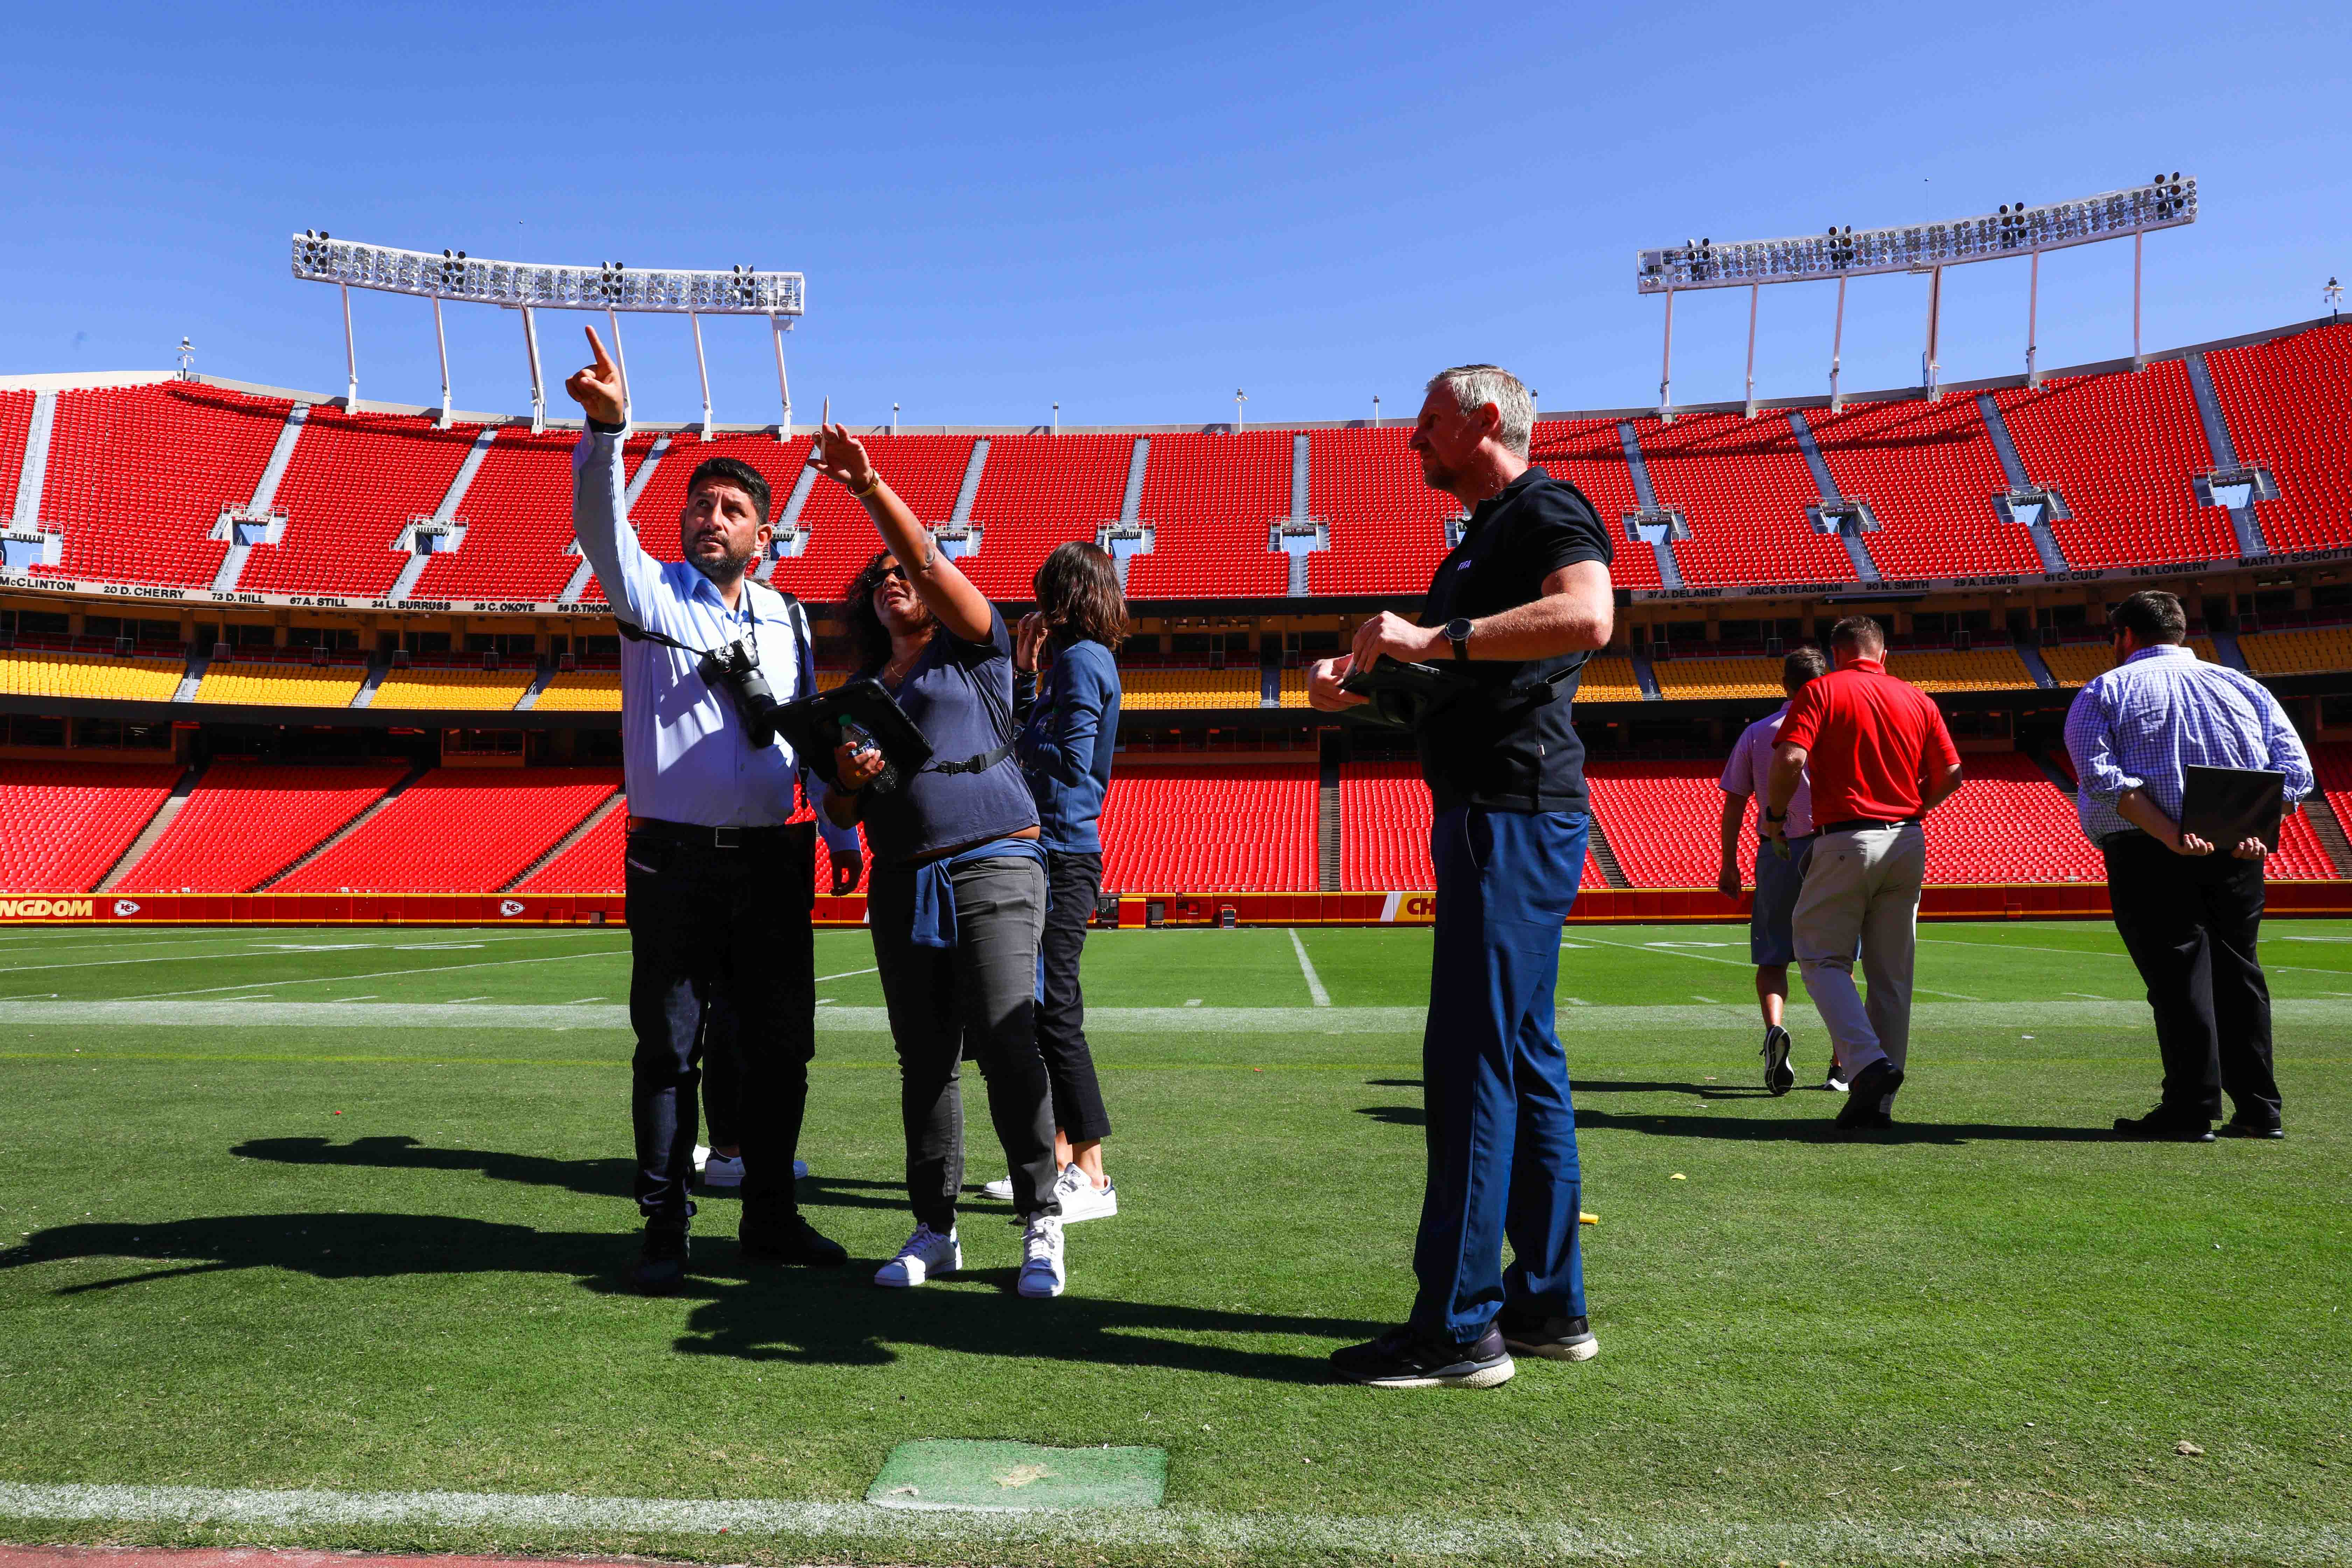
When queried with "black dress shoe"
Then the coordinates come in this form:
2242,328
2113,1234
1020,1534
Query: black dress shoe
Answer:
1871,1085
796,1241
660,1266
1403,1359
2162,1126
2237,1127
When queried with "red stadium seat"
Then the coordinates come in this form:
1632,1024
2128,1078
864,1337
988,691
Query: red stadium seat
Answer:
245,822
64,825
459,830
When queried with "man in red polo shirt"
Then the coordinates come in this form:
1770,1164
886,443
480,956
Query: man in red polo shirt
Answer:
1880,759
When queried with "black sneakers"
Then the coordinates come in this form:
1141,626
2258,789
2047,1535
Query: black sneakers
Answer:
2162,1126
1778,1077
2238,1127
660,1266
793,1241
1404,1358
1554,1339
1871,1085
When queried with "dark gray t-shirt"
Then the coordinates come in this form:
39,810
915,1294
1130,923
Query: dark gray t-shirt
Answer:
960,694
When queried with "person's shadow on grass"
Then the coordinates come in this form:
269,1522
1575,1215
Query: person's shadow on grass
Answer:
598,1178
831,1317
1820,1129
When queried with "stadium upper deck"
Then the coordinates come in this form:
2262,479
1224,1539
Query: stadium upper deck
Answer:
212,493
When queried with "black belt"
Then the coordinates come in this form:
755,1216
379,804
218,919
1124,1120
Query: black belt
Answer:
1856,824
705,837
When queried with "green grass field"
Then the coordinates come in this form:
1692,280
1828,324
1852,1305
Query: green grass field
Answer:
342,1211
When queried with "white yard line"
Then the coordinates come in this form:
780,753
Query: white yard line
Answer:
1668,952
1307,967
847,973
904,1534
371,974
245,947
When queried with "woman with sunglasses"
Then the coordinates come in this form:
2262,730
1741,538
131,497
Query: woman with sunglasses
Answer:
957,897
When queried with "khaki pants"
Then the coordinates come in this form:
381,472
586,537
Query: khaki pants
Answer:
1862,884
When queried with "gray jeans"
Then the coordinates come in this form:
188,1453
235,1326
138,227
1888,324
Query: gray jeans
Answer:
1862,885
984,990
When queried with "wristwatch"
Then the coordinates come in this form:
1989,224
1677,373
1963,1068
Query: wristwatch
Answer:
1457,632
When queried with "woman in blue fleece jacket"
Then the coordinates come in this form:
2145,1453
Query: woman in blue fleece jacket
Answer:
1070,729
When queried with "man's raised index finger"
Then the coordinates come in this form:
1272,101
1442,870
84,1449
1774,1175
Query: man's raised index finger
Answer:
596,347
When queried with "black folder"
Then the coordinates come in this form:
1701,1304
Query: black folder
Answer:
2227,806
814,726
1402,694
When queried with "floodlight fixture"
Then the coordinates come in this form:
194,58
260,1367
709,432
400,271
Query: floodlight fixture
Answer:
2168,202
2165,201
612,287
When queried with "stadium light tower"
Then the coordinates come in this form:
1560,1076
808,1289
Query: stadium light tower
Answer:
528,287
2167,201
2331,297
1240,397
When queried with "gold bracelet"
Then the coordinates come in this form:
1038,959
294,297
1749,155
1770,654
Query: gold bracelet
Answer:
869,489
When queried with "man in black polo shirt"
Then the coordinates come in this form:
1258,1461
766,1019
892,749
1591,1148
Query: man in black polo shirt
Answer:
1516,609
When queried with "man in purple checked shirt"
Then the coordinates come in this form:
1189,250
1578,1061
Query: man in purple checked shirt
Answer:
1772,944
2189,911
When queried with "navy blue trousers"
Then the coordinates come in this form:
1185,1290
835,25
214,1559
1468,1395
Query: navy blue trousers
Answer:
1502,1129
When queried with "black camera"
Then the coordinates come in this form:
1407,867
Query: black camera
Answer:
736,670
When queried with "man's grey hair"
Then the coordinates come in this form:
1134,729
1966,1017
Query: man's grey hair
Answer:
1474,385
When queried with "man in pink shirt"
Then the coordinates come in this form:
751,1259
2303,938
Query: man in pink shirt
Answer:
1771,946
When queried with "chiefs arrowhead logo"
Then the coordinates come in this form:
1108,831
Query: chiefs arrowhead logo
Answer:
125,906
510,905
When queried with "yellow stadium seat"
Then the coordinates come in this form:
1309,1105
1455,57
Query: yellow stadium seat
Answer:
32,673
2073,664
489,690
282,685
590,691
1608,677
1156,689
1982,670
1756,676
2310,652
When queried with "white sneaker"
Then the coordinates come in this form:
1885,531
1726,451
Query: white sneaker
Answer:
925,1256
726,1170
999,1190
1081,1200
1041,1270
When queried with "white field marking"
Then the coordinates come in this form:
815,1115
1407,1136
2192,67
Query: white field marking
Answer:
1576,1001
1322,998
946,1533
226,1013
370,998
371,974
1687,944
1670,951
1711,1000
453,1000
200,957
1954,995
2289,936
2087,995
2022,947
1194,1002
847,973
1565,942
577,1000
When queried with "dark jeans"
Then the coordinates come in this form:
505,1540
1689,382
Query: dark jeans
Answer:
2191,926
1502,1127
1073,882
711,931
982,994
722,1078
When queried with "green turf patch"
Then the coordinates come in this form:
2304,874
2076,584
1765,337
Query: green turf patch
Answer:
968,1473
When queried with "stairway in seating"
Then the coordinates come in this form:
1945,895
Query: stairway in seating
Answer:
619,802
2328,829
415,771
154,829
1326,819
1610,872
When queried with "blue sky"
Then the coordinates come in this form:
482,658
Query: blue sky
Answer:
1136,210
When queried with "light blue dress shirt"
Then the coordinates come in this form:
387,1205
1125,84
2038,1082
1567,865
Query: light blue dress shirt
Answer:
684,753
2162,711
